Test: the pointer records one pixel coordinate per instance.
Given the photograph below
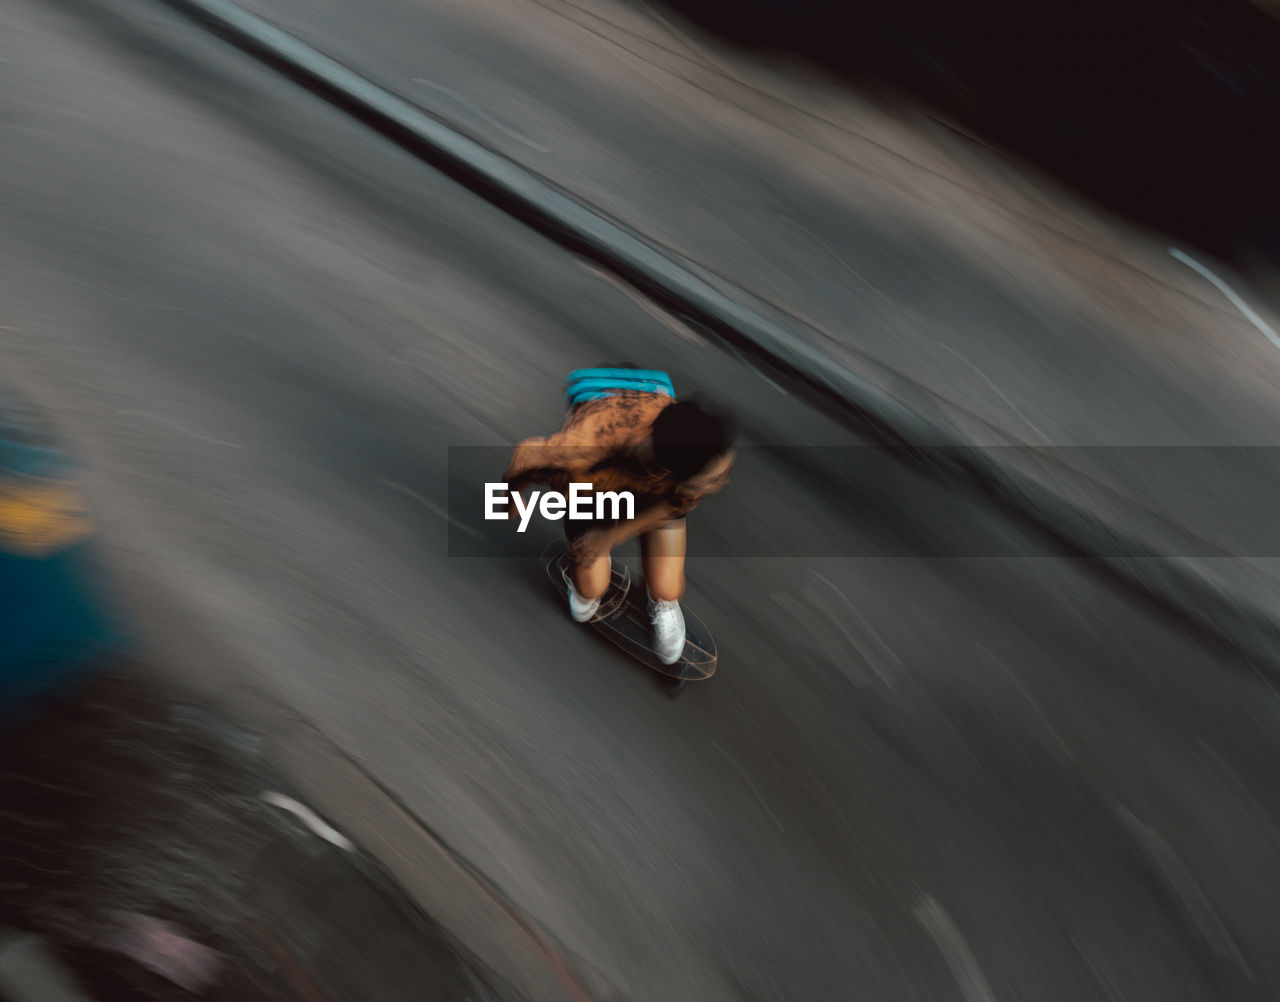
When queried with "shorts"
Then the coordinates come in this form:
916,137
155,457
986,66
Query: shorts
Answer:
592,384
575,528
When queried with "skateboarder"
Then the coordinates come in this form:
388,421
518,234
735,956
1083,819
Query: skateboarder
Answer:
625,431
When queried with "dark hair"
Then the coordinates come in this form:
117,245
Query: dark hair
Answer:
687,435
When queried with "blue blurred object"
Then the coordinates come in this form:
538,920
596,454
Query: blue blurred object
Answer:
54,627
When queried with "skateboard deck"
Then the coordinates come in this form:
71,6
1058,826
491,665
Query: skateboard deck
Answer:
624,619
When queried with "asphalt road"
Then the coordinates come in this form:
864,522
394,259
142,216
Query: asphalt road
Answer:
915,777
150,853
963,285
959,279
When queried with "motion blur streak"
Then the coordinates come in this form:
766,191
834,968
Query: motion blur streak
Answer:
262,329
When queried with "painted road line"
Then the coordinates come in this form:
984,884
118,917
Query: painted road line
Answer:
1230,293
309,818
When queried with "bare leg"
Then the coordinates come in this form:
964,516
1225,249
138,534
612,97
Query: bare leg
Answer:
591,580
662,552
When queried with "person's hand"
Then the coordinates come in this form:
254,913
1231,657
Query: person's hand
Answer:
589,547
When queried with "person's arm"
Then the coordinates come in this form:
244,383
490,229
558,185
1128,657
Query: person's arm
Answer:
539,460
525,469
710,481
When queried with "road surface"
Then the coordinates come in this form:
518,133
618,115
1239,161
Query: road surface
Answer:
915,777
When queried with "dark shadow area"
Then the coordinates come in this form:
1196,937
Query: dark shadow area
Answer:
140,853
1165,112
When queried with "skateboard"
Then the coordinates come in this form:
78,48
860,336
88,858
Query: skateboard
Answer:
624,619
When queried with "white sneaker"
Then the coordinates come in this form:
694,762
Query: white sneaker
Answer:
582,609
668,630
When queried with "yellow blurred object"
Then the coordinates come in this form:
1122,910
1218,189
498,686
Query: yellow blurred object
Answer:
41,517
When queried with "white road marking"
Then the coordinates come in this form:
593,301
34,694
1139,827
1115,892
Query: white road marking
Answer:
309,818
964,965
1229,292
505,129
